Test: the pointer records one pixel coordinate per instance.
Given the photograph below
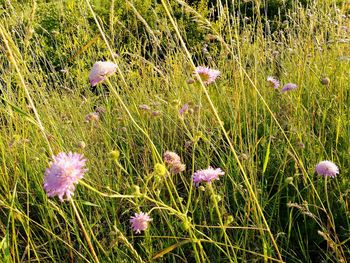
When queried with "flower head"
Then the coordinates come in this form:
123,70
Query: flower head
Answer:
273,82
139,222
100,70
207,175
207,75
144,107
327,168
159,170
174,162
184,109
289,86
171,157
325,81
63,174
177,167
91,117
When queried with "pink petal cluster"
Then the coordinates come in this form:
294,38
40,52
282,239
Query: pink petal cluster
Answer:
63,174
273,82
288,87
171,157
207,175
327,168
100,70
184,109
91,117
174,162
139,222
207,75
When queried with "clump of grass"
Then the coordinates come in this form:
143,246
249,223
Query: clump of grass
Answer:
268,203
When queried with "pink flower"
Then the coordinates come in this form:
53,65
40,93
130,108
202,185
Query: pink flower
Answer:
207,75
139,222
273,82
207,175
100,70
327,168
183,109
171,158
289,86
64,172
91,117
177,167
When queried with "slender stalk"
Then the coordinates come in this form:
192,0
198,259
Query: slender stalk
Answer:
88,240
128,244
227,239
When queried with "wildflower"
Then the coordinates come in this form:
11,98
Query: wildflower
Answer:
325,81
139,222
114,155
81,144
327,168
177,167
273,82
183,109
100,70
207,175
144,107
171,157
91,117
289,180
289,86
64,172
174,162
159,169
156,113
207,75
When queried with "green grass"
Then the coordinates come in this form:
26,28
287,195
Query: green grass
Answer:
269,206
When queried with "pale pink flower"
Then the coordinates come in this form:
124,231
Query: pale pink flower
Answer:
100,70
91,117
144,107
289,86
139,222
273,82
177,167
327,168
174,162
207,75
171,157
207,175
63,174
183,109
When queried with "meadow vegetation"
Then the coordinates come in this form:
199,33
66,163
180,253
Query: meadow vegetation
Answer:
269,205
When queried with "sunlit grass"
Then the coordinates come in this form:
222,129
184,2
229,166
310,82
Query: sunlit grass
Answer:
268,206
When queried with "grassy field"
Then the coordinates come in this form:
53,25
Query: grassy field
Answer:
269,206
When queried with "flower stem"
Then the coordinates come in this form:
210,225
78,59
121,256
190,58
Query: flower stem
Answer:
88,240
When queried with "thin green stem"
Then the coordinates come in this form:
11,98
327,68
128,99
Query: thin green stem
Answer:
87,238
